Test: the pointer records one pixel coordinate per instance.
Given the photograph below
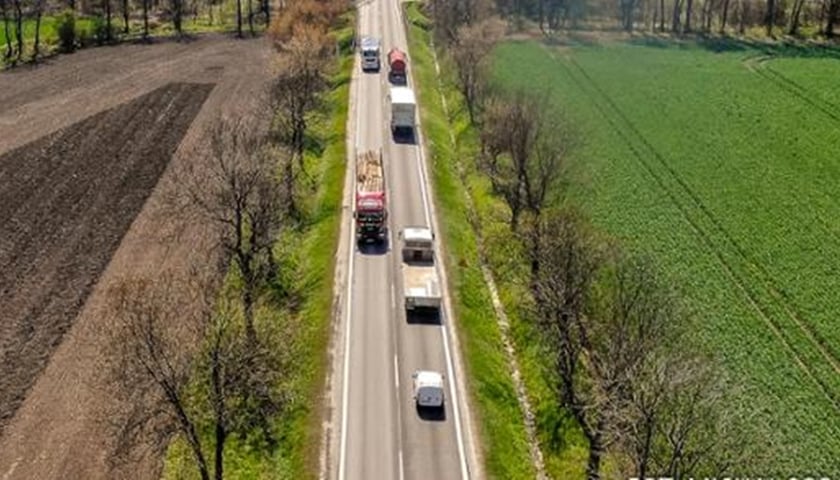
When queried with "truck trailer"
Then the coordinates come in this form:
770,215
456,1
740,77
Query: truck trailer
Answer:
403,106
370,212
421,286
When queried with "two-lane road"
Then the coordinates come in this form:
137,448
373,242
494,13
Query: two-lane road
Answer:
380,433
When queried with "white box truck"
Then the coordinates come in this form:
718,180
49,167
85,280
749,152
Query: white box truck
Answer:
421,287
403,109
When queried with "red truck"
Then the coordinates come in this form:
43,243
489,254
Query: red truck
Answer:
371,213
397,64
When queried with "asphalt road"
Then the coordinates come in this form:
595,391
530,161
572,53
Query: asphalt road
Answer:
381,435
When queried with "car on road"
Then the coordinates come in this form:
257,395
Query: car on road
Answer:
428,389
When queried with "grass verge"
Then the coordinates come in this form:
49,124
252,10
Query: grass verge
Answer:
308,257
503,440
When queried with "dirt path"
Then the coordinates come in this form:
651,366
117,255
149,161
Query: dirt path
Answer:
85,143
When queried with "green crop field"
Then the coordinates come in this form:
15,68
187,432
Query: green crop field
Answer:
724,164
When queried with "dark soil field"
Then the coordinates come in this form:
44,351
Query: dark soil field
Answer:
87,145
67,201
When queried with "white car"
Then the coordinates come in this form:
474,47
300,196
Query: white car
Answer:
428,388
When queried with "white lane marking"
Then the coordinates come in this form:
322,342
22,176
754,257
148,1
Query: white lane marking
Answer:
402,470
421,163
396,372
393,297
348,329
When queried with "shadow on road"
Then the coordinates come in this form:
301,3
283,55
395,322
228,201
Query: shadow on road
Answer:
373,248
431,414
423,316
404,137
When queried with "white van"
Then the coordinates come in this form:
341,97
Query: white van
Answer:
428,388
403,108
370,53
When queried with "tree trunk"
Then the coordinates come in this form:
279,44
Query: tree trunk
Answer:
4,11
795,13
688,5
593,464
662,16
770,16
146,19
675,17
125,12
177,15
39,7
19,31
239,18
832,17
723,17
251,17
219,407
108,36
742,20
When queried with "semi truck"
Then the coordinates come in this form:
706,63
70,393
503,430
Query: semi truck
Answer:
369,49
421,287
397,63
403,106
370,213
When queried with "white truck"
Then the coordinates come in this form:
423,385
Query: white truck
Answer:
369,49
403,106
421,287
428,389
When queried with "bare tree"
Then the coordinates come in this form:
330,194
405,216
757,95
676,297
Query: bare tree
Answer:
239,18
770,17
525,146
150,365
295,94
562,289
471,54
166,388
251,17
238,194
145,7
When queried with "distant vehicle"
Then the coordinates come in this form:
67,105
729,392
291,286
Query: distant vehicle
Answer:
371,213
428,388
397,64
420,280
370,53
403,108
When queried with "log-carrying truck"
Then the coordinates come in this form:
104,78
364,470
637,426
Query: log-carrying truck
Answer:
421,287
370,213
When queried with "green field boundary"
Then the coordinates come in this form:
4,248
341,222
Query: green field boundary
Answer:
807,349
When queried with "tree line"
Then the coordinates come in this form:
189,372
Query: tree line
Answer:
673,16
112,19
615,335
188,358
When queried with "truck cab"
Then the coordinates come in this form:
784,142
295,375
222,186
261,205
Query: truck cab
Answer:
369,51
428,389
